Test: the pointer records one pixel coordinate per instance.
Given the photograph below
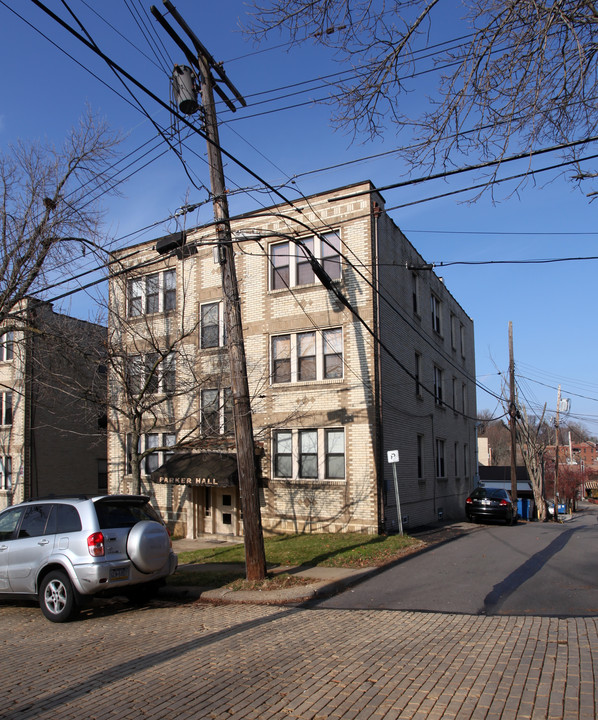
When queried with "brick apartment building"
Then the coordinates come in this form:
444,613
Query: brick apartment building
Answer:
52,437
328,401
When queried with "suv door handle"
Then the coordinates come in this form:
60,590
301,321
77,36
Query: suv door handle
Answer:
43,542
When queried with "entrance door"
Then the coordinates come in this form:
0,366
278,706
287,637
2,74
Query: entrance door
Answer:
225,511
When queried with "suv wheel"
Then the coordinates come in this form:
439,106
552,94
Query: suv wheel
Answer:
57,597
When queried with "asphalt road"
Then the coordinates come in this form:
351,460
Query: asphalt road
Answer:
544,569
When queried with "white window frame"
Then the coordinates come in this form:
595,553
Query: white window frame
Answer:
138,292
323,349
7,339
299,446
224,410
319,246
159,457
164,376
7,409
221,325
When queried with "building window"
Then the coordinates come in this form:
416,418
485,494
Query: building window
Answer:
7,346
332,341
281,359
415,293
307,356
453,332
440,465
290,264
309,454
5,472
102,475
438,382
152,294
283,454
420,457
436,306
216,412
152,461
456,460
6,408
212,325
465,460
418,374
305,272
151,375
159,445
335,454
455,395
462,339
464,399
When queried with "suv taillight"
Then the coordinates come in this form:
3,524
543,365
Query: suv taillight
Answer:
95,544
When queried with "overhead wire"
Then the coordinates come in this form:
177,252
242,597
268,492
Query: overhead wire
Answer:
109,63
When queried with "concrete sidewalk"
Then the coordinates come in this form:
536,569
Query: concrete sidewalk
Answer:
324,581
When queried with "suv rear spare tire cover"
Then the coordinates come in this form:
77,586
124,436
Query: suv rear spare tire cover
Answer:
148,546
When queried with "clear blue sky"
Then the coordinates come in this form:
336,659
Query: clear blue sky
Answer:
284,140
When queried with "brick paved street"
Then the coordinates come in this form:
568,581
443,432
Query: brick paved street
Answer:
243,662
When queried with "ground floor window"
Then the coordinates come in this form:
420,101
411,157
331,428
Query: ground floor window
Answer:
313,454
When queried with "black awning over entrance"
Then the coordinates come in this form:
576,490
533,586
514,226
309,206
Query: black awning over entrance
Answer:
208,469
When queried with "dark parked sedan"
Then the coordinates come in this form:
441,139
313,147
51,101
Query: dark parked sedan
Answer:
490,504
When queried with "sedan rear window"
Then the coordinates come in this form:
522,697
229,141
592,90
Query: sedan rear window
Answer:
494,493
114,514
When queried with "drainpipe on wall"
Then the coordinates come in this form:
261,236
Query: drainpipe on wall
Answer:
376,212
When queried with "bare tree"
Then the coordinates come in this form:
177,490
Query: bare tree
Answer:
521,74
49,206
529,439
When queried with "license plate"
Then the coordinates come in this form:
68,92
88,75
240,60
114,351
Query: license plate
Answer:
119,573
486,502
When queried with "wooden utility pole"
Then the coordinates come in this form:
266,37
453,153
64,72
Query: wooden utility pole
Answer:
512,420
555,517
255,559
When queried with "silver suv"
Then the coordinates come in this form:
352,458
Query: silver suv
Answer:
64,550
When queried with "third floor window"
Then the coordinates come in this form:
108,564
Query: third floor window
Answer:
151,294
290,262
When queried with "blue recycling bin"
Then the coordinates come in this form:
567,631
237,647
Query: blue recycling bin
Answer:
523,508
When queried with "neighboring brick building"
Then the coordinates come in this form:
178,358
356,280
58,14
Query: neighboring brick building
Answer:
52,437
580,453
328,401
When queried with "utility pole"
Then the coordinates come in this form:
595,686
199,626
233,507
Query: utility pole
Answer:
512,420
255,560
556,455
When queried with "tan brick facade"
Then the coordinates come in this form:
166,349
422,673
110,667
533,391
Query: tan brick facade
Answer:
327,400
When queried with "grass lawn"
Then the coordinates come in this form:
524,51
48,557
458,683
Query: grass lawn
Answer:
329,550
352,550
